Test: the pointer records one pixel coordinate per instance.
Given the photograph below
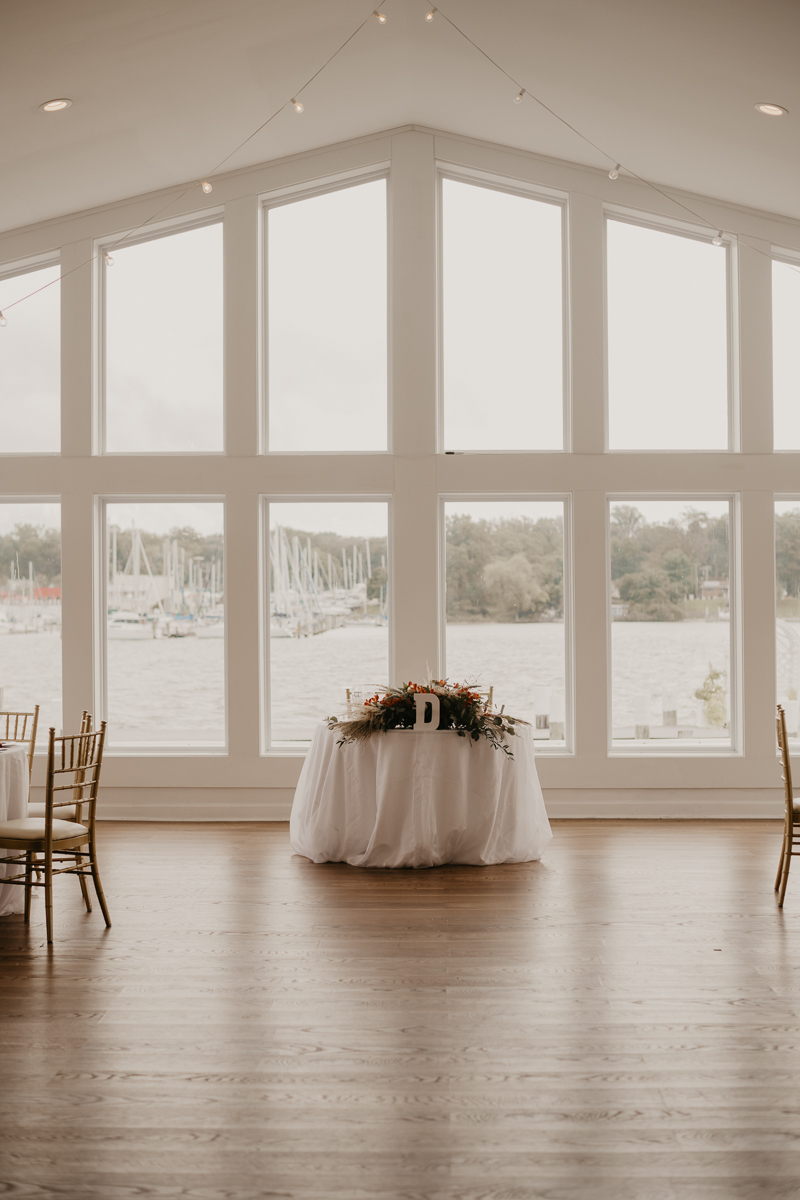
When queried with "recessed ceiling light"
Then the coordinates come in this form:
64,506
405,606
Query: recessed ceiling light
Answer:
54,105
772,110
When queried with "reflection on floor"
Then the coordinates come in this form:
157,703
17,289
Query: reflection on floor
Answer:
619,1021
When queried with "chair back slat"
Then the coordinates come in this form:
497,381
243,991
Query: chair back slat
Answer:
73,767
21,727
786,762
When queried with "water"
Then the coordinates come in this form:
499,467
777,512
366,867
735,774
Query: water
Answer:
172,690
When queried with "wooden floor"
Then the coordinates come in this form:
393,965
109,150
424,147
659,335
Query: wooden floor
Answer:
617,1022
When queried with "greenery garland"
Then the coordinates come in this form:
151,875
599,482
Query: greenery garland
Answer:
461,708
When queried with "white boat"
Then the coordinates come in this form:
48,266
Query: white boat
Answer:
279,628
5,624
129,626
212,629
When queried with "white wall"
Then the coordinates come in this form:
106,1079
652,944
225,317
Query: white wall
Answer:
247,785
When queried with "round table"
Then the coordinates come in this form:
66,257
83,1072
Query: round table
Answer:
408,799
13,804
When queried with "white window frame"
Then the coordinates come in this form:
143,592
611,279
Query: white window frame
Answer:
279,198
685,748
100,627
545,195
270,749
564,498
150,233
695,233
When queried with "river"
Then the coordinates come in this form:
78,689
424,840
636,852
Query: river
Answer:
172,689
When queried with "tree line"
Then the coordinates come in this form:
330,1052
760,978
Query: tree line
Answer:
509,569
657,566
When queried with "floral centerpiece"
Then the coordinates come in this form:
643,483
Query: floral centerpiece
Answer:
461,708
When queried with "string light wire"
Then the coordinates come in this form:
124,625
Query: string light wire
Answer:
563,121
294,102
174,199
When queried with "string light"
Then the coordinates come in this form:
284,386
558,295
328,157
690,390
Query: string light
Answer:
54,105
107,259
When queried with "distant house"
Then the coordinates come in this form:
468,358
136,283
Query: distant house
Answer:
47,593
714,589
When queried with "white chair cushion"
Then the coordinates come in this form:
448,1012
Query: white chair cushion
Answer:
67,813
32,829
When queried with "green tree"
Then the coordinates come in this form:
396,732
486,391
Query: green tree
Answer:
651,596
512,587
787,546
32,543
679,570
712,693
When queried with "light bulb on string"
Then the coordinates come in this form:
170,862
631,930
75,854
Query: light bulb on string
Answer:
206,186
430,15
381,17
717,241
3,321
519,95
297,106
614,172
107,259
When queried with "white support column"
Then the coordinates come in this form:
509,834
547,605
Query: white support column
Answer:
77,604
587,336
758,624
592,639
755,352
77,543
241,623
413,391
77,318
242,314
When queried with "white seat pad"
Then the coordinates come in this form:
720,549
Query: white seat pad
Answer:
33,828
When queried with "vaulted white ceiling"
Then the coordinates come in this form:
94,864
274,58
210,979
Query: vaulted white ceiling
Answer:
164,89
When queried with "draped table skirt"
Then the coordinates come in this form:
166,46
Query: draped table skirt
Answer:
408,799
13,804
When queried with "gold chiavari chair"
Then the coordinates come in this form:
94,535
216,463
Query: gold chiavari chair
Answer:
21,727
67,847
791,823
69,812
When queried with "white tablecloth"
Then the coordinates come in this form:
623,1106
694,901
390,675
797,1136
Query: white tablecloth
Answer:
407,799
13,804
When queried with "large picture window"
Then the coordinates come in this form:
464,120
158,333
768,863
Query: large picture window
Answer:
505,606
30,362
30,611
165,625
163,344
787,632
328,616
786,355
671,612
667,340
327,321
502,320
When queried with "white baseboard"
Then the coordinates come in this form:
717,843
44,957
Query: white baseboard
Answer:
275,804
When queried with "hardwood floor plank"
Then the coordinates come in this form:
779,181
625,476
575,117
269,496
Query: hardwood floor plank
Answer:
618,1022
